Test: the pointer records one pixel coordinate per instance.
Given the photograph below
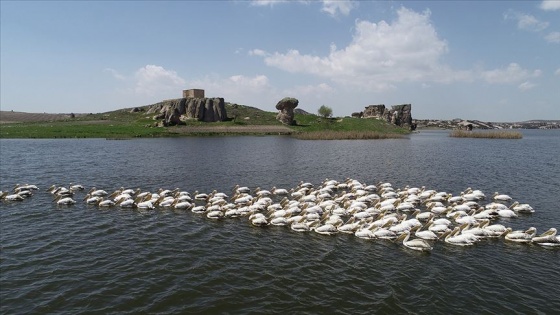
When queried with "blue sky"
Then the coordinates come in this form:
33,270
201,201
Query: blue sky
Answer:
485,60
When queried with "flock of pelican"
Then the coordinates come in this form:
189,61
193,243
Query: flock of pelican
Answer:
415,217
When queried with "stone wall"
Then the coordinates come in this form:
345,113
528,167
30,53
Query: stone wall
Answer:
400,115
176,111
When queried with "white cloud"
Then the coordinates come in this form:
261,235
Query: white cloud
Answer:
557,72
314,91
263,3
153,80
526,22
526,86
239,89
511,74
380,54
257,52
333,7
550,5
115,74
553,37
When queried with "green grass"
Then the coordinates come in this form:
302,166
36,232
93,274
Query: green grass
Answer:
490,134
122,124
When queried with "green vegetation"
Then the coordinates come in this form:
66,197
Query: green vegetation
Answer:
325,112
244,120
490,134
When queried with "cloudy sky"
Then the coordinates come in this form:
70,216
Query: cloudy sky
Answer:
485,60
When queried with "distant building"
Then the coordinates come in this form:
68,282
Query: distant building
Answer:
195,93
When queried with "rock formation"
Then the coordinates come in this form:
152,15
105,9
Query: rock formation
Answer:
176,111
286,110
400,115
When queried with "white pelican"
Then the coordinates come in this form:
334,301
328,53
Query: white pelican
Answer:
326,229
19,187
547,238
415,244
241,190
215,214
182,205
97,192
520,236
93,200
501,197
126,203
13,197
106,203
525,208
365,232
425,234
507,213
198,209
279,221
67,201
460,240
258,219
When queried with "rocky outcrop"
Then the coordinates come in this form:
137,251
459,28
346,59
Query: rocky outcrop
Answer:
400,115
177,111
286,110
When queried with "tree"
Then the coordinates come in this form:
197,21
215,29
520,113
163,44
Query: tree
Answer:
325,111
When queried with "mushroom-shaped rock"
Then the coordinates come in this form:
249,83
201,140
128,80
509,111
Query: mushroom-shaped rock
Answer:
286,110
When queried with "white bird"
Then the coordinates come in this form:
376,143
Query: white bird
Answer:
67,201
415,244
548,238
326,229
461,240
525,208
520,236
13,197
501,197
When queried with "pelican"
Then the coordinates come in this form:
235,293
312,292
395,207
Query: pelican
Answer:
425,234
415,244
516,206
182,204
241,190
93,200
365,232
198,209
74,187
547,238
12,197
258,219
454,239
326,229
215,214
106,203
67,201
520,236
19,187
500,197
97,192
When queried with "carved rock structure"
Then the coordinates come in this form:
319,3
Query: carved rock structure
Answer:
286,110
400,115
177,111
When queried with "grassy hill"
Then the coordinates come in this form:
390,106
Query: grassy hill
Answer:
125,123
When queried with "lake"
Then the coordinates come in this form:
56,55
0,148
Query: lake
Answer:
83,259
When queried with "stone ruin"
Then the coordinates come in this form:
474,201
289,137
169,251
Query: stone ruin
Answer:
286,110
400,115
177,111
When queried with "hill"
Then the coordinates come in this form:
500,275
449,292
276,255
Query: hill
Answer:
135,122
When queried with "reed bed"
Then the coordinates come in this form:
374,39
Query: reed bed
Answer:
346,135
490,134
